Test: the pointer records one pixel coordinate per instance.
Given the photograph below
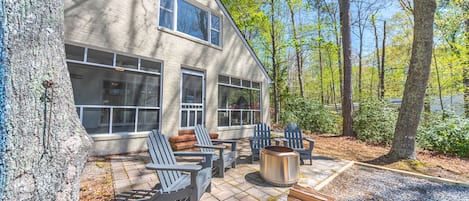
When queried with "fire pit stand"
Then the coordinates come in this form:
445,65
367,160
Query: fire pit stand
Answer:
280,166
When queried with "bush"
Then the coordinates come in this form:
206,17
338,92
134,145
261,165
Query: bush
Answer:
448,136
375,121
309,115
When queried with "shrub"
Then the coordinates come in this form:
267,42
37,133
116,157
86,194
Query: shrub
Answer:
448,136
309,115
375,121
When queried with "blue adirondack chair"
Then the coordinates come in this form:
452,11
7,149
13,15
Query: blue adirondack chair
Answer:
221,160
174,184
259,140
293,138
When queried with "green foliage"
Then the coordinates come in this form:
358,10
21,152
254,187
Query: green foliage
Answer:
448,136
310,115
375,122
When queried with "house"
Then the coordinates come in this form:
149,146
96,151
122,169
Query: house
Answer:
138,65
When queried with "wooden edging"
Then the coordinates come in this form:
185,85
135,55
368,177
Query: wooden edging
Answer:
422,176
329,179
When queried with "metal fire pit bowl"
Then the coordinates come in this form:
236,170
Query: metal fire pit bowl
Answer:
280,166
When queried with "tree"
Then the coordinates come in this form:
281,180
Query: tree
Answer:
403,146
298,53
43,144
347,103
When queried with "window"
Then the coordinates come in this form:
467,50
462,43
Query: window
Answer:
114,93
181,16
238,104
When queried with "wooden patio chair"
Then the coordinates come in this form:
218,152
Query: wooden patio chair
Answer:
221,160
293,138
174,185
259,140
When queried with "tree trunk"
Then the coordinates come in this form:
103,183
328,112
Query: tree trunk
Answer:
299,64
43,144
329,54
378,61
439,84
347,103
383,56
466,69
360,53
274,63
403,146
320,54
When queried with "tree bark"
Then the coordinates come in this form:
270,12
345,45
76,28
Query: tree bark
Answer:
44,146
275,67
347,103
378,60
320,53
439,84
383,56
466,69
403,146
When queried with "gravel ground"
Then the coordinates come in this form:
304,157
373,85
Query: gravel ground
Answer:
363,183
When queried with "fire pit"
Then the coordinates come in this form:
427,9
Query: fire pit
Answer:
280,166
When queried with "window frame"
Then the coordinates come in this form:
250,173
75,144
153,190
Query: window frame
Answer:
81,108
209,23
241,111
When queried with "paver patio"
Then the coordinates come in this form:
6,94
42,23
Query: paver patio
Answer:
241,183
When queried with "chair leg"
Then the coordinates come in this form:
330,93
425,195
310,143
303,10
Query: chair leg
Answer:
209,188
221,169
310,160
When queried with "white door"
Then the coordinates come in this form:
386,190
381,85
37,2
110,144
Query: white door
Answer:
192,99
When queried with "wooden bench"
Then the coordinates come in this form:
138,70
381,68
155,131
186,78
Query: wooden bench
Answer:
300,193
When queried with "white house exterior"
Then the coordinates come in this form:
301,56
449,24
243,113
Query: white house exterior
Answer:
138,65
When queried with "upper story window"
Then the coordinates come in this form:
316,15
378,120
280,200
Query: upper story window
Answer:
180,15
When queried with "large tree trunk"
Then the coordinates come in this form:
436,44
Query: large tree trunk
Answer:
44,146
403,146
347,104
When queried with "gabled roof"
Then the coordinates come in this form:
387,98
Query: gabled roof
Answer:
245,42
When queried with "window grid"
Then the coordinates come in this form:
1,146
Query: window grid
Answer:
251,112
174,27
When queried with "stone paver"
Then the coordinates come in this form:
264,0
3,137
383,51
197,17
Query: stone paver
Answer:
241,183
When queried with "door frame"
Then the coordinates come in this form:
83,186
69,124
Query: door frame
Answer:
181,104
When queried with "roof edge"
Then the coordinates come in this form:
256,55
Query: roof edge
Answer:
251,51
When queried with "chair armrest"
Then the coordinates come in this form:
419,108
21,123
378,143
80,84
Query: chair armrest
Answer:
311,143
226,141
232,142
210,146
193,153
309,139
186,167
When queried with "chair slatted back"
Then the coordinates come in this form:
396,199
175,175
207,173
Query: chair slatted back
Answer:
261,136
203,137
294,136
162,154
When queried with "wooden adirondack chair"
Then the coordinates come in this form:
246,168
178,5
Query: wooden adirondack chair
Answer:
221,160
260,140
174,185
293,138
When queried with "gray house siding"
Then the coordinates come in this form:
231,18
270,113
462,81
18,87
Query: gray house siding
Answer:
131,28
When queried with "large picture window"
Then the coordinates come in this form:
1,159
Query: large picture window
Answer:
181,16
114,93
238,102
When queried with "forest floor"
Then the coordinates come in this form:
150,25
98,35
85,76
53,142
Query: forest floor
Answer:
96,181
428,163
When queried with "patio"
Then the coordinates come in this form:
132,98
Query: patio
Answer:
241,183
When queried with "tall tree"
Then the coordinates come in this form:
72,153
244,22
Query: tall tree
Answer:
297,45
347,102
378,61
381,71
403,146
43,144
275,64
466,62
331,9
321,70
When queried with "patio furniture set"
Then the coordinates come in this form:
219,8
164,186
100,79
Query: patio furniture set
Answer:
279,164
